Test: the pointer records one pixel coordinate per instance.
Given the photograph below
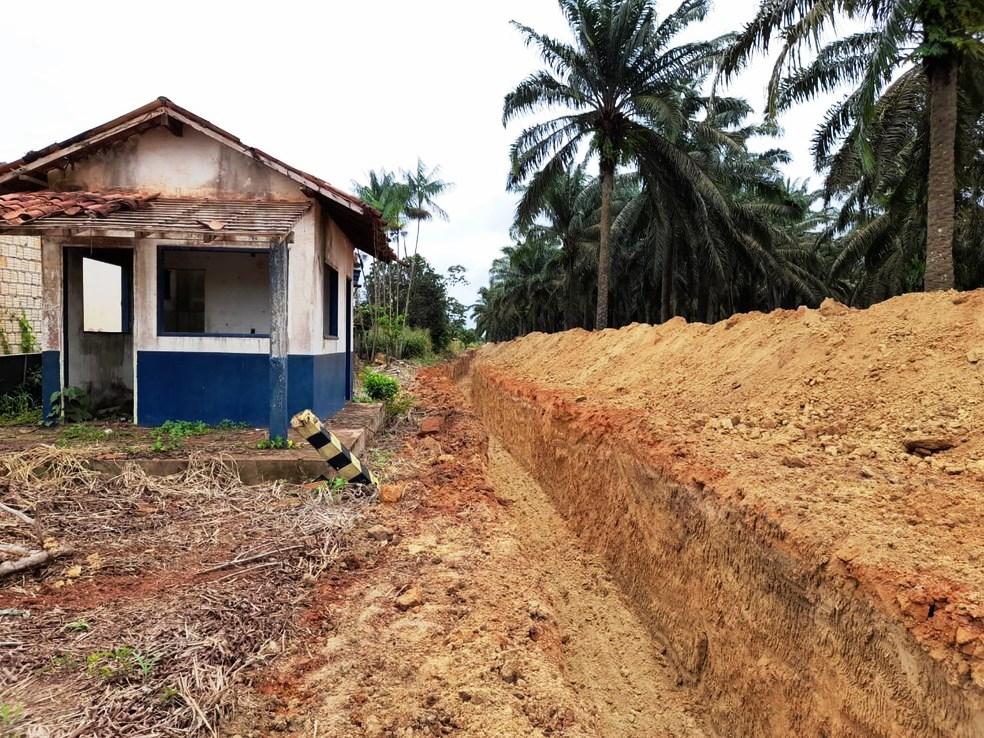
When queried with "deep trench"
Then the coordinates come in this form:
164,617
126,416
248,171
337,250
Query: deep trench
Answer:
770,645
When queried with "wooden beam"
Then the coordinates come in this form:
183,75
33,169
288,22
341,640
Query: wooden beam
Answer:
175,126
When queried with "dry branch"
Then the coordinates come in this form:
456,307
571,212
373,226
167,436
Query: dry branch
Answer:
22,516
33,560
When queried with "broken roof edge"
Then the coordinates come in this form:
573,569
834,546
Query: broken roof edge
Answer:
372,241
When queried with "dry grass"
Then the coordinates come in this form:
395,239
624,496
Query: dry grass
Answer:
178,585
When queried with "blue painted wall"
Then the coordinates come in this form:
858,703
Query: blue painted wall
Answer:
316,383
50,378
212,386
208,386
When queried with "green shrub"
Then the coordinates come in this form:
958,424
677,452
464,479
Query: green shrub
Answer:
170,434
77,405
79,433
399,405
19,408
380,387
416,343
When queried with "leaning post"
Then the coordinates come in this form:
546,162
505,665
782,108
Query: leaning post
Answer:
278,339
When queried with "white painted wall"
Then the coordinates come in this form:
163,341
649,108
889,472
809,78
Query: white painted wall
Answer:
237,288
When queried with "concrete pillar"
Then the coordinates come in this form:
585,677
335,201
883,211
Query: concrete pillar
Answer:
278,339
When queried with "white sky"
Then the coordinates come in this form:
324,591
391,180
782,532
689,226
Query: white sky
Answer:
334,88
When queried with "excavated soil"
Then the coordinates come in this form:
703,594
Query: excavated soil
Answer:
792,503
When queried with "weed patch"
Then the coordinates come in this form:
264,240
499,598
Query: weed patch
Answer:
171,434
79,434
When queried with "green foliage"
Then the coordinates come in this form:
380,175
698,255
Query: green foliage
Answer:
73,404
78,626
416,343
379,387
277,442
398,406
4,342
170,695
620,88
10,714
79,434
171,434
19,408
28,341
228,425
123,663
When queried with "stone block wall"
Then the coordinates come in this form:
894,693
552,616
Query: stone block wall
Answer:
20,287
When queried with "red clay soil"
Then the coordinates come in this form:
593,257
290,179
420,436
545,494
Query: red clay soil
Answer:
471,612
847,445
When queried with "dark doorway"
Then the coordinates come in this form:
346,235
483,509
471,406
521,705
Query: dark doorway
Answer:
98,326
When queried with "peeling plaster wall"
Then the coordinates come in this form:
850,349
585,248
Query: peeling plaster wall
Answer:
192,165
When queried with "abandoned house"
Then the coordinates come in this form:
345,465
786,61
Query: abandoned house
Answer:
188,276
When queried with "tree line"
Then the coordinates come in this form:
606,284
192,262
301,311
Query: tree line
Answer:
645,194
405,309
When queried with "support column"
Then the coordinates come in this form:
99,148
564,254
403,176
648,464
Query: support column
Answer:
278,340
52,291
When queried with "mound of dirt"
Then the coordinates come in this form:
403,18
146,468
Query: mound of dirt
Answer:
848,444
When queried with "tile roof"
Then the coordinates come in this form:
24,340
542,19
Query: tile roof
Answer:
233,221
362,223
19,208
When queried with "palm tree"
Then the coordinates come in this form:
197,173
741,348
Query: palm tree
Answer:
935,35
563,214
524,290
616,84
423,187
880,236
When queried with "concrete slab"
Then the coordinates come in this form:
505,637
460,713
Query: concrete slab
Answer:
355,425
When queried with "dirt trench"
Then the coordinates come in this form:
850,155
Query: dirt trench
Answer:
752,489
470,610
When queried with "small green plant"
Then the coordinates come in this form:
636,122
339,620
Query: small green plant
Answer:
73,403
332,488
4,342
278,442
399,405
79,433
120,664
28,341
10,714
67,661
78,626
171,434
379,387
169,695
225,425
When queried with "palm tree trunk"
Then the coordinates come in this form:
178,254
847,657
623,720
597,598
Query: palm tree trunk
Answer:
666,283
604,255
569,254
942,176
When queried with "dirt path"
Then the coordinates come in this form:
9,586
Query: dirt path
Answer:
472,612
609,659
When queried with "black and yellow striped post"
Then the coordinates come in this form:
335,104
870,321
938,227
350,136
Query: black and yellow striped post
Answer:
326,443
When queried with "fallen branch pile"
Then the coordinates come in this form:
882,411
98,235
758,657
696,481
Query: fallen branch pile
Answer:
133,605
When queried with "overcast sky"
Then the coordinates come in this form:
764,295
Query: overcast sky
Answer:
334,88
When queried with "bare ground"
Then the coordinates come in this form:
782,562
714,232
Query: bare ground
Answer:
506,626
